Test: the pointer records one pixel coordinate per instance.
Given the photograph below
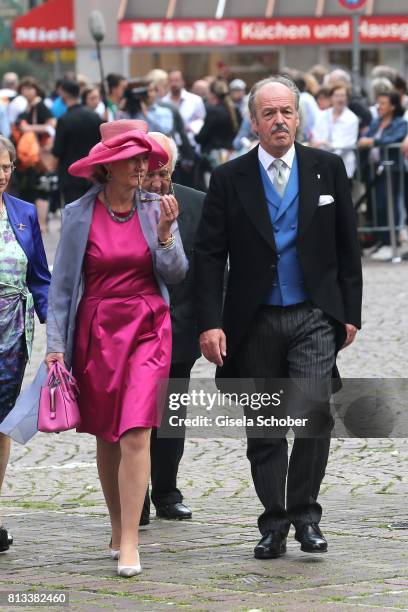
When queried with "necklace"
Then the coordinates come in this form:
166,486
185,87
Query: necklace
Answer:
114,216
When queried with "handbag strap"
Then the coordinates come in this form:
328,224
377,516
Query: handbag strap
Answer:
52,375
68,382
60,375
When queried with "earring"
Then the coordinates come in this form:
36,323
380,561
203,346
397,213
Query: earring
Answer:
108,175
139,184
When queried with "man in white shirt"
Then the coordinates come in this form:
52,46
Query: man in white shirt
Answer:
337,129
190,106
16,103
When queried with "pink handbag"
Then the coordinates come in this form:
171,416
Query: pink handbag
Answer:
58,402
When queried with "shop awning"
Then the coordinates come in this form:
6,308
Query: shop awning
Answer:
48,26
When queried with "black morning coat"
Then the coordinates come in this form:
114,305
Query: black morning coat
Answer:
236,223
182,307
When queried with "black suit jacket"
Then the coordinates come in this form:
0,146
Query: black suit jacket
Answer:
182,306
236,223
77,132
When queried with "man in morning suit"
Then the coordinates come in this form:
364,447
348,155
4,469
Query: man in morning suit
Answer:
283,215
166,452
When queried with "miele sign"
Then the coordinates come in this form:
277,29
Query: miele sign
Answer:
44,36
47,26
178,33
252,32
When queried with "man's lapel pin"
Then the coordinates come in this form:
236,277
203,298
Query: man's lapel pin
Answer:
21,227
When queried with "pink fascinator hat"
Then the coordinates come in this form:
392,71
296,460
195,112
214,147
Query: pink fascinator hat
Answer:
121,139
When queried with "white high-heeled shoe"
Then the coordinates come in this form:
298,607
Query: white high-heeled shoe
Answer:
127,571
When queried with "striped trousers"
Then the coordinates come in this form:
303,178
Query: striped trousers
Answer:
296,343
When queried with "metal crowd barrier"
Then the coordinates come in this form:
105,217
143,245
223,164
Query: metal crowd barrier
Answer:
374,169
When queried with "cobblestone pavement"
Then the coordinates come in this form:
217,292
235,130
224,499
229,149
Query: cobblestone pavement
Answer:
53,505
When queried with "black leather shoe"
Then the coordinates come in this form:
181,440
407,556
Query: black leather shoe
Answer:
6,540
270,546
311,539
176,511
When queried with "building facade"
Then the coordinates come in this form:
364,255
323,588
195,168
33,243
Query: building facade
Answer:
237,38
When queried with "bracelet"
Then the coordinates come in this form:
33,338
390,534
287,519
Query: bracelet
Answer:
167,244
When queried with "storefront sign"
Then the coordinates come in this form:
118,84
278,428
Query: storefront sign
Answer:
391,29
233,32
48,26
253,32
178,33
295,31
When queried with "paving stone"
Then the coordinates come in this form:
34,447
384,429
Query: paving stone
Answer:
52,503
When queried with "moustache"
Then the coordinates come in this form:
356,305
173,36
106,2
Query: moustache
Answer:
280,127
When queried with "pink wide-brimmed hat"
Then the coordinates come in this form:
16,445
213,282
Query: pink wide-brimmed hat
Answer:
121,139
120,126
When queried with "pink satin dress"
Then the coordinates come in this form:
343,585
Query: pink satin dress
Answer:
123,331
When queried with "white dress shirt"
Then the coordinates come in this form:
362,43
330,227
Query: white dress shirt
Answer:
192,110
267,160
339,133
17,106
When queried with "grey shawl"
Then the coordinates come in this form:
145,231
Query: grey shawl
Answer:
170,266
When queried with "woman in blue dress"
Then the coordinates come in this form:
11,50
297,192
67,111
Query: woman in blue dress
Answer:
24,281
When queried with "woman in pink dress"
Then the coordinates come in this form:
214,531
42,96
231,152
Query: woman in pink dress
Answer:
119,246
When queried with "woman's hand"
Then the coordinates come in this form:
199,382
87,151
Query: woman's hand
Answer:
52,358
169,212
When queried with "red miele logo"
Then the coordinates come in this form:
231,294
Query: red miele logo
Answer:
179,33
43,35
47,26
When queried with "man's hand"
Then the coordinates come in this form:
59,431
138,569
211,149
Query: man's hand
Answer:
351,334
213,343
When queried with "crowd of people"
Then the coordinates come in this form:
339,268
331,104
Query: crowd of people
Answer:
210,124
132,168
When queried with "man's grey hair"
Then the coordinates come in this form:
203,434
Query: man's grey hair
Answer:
379,86
10,80
270,81
174,153
7,145
171,144
337,75
386,72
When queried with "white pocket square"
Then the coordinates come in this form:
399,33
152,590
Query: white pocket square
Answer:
325,199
